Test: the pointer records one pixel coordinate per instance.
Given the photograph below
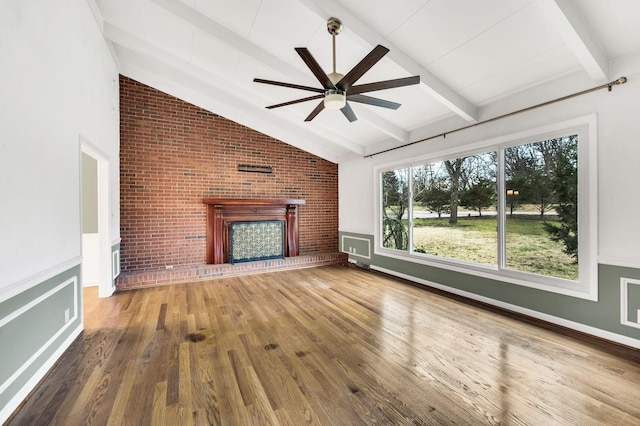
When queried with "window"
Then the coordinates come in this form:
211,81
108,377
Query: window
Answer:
521,211
454,208
541,180
395,206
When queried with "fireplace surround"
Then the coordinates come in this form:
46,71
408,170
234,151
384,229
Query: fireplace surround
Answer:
222,212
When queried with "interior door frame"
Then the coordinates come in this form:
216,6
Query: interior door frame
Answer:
106,282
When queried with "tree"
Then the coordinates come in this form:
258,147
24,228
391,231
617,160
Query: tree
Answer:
548,151
434,195
480,195
564,183
438,199
541,194
520,165
421,180
395,193
454,168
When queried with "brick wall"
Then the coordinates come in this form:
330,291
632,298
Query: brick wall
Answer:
174,154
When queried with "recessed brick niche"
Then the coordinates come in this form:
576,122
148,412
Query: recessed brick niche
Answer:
173,155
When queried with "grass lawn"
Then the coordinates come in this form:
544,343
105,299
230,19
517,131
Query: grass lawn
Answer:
529,247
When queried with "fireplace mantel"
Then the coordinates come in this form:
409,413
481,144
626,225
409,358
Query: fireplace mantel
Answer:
221,212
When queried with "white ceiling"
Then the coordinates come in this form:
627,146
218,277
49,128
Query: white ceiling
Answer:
469,54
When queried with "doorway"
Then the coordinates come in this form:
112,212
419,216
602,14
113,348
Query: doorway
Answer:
96,244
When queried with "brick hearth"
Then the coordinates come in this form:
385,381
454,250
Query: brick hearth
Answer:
131,280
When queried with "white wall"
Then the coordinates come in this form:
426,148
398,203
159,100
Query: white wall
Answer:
618,159
58,84
90,260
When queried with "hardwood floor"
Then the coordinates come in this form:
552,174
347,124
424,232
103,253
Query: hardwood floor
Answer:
332,345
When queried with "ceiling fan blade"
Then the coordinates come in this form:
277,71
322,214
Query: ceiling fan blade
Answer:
362,67
315,67
297,101
293,86
363,99
348,112
316,111
381,85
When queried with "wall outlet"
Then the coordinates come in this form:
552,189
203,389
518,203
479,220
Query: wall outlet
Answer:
169,266
638,317
66,315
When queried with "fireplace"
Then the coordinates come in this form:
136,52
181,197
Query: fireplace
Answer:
227,216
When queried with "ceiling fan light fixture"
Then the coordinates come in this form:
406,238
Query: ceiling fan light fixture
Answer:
335,99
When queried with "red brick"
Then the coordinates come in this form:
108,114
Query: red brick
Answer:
174,154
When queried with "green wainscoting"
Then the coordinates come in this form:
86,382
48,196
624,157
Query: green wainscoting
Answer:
357,246
36,327
603,318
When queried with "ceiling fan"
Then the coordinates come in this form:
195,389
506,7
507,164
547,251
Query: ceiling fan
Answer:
337,88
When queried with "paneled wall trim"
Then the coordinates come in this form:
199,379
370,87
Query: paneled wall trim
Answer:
356,246
630,302
52,314
174,154
115,263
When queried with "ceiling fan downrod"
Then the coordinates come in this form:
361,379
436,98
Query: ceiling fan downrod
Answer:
334,26
334,98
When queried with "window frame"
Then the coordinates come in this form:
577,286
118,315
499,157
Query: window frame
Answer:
587,285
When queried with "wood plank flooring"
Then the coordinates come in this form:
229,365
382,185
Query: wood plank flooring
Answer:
331,345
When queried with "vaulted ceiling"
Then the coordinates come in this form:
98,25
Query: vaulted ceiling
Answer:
472,57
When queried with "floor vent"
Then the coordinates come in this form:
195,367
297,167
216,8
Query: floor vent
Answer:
363,265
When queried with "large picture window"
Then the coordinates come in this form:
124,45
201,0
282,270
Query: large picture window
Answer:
517,210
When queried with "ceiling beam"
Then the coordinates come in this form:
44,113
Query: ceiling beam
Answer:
383,125
236,99
224,35
252,50
570,25
428,82
97,15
